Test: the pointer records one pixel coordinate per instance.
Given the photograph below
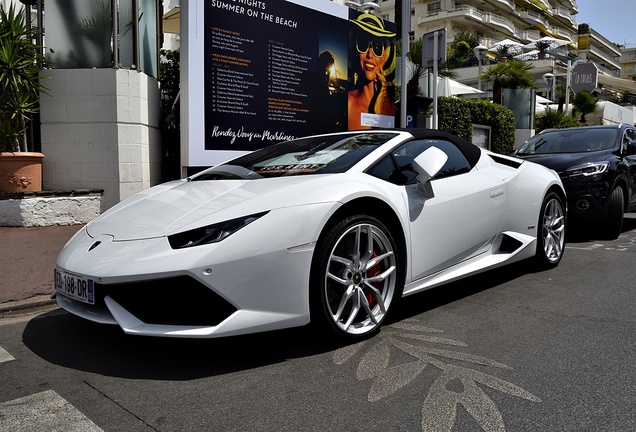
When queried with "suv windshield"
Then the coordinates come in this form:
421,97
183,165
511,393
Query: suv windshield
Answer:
570,141
315,155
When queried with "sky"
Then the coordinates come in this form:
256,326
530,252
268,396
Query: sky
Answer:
614,19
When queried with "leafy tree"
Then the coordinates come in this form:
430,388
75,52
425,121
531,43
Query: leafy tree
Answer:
170,115
169,77
460,50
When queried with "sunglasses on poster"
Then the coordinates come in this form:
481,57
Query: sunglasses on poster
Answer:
363,44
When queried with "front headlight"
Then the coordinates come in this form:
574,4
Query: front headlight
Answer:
588,169
211,233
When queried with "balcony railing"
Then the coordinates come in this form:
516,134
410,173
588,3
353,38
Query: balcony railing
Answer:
543,4
563,13
500,21
509,3
469,11
463,10
535,17
563,33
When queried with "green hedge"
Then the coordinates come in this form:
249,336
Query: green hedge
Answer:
457,115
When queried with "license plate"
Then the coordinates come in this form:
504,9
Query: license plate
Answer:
75,287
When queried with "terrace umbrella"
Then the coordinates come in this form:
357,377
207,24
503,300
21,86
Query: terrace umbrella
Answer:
450,87
512,47
549,41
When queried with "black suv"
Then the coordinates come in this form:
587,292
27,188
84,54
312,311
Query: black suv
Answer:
597,165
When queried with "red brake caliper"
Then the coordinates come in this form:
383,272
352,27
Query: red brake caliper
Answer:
373,271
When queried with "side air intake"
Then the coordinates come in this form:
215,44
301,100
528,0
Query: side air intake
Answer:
509,245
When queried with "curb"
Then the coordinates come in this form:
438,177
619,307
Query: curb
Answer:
26,304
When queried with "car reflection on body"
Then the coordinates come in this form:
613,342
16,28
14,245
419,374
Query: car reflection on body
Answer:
331,229
597,165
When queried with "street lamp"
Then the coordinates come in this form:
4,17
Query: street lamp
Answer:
366,7
479,51
549,80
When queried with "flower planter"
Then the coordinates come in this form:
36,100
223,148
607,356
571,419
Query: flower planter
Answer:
21,172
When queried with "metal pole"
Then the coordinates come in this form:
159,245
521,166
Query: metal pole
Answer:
479,75
435,57
40,19
135,29
567,88
406,26
115,33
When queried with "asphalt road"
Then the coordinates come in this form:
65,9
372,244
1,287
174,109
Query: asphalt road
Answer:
509,350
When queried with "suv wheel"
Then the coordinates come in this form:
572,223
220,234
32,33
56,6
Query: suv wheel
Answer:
614,223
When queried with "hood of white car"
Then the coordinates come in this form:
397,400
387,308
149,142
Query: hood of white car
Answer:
181,205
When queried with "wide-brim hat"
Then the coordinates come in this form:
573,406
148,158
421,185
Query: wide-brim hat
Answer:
372,24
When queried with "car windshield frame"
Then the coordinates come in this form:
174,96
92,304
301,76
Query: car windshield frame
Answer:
566,141
323,154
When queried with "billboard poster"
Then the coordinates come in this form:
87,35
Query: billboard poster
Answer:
275,70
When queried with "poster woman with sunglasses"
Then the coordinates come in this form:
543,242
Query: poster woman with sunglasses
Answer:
371,100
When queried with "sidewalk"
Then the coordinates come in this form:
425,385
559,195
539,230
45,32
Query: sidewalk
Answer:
27,260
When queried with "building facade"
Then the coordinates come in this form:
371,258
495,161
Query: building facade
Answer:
522,22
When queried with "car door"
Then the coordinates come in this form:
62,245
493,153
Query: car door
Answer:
629,156
460,220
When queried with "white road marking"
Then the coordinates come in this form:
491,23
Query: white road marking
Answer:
590,247
46,411
5,356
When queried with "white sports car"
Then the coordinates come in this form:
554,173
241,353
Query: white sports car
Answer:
332,228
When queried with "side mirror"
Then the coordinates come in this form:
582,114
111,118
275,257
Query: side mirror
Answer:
427,165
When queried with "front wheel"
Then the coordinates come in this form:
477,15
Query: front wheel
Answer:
614,223
551,231
355,277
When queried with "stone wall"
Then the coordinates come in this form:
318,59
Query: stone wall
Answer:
49,211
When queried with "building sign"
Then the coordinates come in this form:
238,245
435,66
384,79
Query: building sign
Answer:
272,70
584,77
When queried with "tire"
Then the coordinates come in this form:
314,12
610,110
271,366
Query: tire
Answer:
614,223
356,278
551,231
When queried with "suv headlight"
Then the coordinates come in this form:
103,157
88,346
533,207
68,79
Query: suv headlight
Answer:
586,170
211,233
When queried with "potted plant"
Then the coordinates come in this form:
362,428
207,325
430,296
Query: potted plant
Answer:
512,75
503,53
20,87
542,46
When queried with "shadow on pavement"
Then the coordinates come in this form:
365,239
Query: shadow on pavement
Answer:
585,232
72,342
63,339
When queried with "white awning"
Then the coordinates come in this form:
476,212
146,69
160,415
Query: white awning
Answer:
171,20
616,83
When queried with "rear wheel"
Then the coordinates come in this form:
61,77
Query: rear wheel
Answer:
551,232
355,276
614,223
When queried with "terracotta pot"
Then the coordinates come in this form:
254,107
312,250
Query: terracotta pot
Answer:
21,172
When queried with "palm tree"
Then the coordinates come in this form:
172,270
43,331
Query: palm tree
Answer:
513,74
561,91
584,103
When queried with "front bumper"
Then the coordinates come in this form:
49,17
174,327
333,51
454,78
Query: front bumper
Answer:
254,280
587,198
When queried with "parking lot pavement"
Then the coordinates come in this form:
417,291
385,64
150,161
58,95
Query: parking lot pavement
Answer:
27,260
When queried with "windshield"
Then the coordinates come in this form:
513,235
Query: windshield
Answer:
570,141
314,155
